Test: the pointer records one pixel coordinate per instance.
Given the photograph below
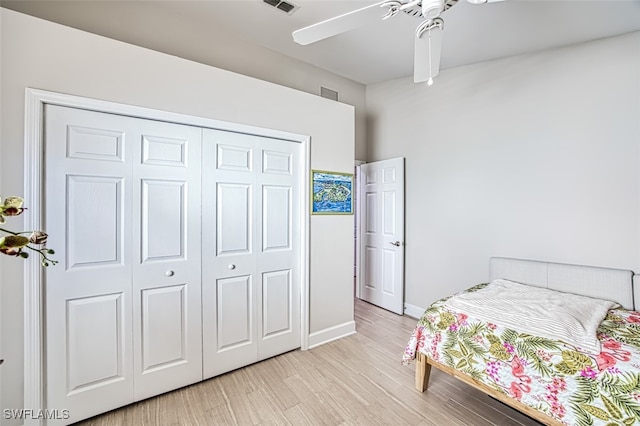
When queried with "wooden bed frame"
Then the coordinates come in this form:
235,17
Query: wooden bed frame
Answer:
423,370
585,280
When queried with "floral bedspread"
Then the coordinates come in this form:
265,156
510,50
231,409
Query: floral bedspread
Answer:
551,376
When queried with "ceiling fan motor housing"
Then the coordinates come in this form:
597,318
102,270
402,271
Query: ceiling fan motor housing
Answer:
432,8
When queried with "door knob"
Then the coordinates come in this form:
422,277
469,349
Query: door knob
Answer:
396,243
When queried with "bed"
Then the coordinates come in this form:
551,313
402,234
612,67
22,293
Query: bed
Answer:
548,379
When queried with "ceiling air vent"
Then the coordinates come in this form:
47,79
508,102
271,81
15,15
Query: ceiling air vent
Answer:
284,6
328,93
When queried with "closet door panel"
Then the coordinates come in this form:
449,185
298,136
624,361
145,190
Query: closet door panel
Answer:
278,263
228,245
251,249
95,342
123,316
166,267
88,295
164,328
277,303
163,221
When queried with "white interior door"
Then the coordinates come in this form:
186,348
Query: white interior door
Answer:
251,249
381,194
123,208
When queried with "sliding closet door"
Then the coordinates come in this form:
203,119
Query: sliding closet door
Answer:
251,252
123,306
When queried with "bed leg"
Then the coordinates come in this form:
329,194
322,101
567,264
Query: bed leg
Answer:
423,369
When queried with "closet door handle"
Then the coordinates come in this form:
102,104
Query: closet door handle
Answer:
397,243
231,266
169,273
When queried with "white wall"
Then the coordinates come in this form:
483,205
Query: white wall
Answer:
534,156
44,55
147,24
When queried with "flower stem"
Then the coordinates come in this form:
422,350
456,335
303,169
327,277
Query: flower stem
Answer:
10,232
44,259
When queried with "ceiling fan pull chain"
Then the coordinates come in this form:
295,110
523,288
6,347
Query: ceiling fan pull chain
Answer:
423,28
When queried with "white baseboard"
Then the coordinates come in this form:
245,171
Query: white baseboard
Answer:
413,311
332,333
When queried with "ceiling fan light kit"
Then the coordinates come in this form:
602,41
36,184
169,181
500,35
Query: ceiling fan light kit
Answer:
427,47
432,8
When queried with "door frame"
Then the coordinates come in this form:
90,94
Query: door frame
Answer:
357,224
35,100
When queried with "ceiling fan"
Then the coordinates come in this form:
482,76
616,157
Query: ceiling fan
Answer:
428,40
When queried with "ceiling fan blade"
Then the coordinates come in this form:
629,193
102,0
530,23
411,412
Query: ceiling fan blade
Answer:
340,24
483,1
426,61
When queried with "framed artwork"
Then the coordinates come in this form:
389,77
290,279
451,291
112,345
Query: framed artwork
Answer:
331,193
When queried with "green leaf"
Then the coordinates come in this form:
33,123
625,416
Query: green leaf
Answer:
475,348
535,342
575,360
461,364
464,350
565,368
528,352
611,407
626,403
449,344
473,329
596,411
582,417
492,338
620,383
455,353
499,351
428,317
586,391
613,317
509,336
446,319
473,373
541,366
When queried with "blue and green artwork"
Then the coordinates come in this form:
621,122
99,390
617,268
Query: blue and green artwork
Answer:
332,193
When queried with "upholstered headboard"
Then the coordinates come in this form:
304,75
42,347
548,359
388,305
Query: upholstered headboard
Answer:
618,285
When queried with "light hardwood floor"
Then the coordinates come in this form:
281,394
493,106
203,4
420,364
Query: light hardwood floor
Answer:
357,380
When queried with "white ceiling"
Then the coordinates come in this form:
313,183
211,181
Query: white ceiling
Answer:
383,50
